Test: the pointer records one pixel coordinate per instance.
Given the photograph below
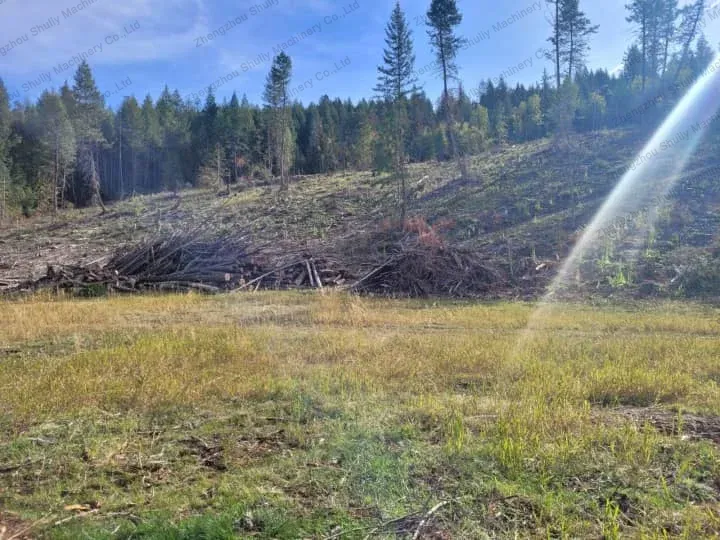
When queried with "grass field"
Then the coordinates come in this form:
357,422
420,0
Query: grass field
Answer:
306,416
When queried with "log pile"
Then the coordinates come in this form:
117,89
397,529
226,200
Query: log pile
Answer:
184,261
178,262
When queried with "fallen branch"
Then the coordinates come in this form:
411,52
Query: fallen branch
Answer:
427,517
12,468
355,285
77,516
264,276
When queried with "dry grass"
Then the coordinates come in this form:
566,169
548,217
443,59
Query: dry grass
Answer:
291,415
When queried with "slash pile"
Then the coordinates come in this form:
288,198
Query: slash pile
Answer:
381,263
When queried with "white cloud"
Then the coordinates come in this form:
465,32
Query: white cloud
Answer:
161,30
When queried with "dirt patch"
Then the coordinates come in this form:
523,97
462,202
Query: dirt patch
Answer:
261,445
209,453
13,527
687,426
511,513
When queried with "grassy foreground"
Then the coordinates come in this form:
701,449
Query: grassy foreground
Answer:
303,416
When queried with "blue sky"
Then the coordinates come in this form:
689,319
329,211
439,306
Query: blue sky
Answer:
137,46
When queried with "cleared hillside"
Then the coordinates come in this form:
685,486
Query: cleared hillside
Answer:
522,210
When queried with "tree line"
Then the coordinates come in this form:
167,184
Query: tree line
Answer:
70,148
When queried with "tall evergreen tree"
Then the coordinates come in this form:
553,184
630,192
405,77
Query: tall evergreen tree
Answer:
557,39
577,29
130,132
234,134
668,17
4,148
688,31
396,79
88,115
640,13
442,19
632,63
277,99
152,140
57,140
704,54
174,127
571,29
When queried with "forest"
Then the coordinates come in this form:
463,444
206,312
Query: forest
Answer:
69,148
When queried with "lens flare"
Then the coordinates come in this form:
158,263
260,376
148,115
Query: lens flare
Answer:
649,179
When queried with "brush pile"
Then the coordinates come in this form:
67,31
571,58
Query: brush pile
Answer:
413,267
403,265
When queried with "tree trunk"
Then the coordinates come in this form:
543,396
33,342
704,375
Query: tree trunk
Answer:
91,170
644,48
55,174
449,117
122,180
557,42
3,189
133,161
571,57
63,185
400,162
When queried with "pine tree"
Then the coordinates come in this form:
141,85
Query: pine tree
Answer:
396,77
570,32
131,135
577,29
500,126
534,118
688,31
4,148
207,141
88,115
316,136
564,109
329,142
640,12
396,80
442,18
363,147
209,121
174,140
234,135
557,39
704,54
57,140
151,141
277,99
668,17
632,63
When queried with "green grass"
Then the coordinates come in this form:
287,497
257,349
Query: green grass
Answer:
306,416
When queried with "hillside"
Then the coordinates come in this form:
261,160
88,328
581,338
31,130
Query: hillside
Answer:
521,212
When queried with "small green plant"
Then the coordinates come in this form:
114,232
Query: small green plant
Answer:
455,433
619,280
611,523
511,455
